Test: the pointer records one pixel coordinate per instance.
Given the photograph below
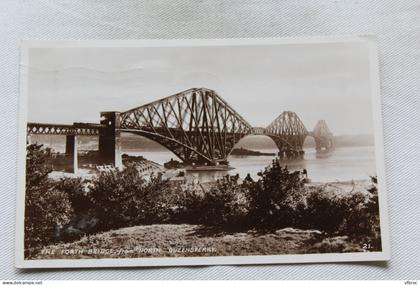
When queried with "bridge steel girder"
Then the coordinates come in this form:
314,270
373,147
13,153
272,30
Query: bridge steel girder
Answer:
324,138
70,131
197,125
289,133
79,129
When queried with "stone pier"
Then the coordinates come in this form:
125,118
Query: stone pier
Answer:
110,139
71,152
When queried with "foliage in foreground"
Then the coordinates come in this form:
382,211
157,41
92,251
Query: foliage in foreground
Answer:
125,198
278,199
224,205
275,198
46,208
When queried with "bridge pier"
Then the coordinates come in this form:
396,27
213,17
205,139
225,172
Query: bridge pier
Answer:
71,152
291,154
110,139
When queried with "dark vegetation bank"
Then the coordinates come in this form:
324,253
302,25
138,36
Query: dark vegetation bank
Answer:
72,209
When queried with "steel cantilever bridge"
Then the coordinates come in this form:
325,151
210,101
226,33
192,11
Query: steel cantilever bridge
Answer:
197,125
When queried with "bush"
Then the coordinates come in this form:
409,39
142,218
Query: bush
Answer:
76,191
116,199
46,211
355,215
125,198
362,221
38,164
275,198
46,208
324,211
223,205
226,204
188,206
270,203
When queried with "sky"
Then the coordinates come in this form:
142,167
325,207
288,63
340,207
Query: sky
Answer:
327,81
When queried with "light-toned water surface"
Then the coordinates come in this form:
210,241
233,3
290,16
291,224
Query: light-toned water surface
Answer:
342,164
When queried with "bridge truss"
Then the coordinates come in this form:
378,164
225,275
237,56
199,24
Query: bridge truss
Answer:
79,129
197,125
289,133
323,137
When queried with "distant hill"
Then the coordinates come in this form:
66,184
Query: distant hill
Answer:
355,140
263,142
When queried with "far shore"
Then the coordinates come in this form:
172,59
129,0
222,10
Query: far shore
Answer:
346,186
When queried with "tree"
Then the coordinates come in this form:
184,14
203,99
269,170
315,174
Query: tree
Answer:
46,208
274,198
124,198
38,164
363,217
75,189
224,204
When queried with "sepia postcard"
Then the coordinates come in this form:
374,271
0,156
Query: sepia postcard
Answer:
200,152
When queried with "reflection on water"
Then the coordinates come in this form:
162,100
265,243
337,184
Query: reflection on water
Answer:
343,164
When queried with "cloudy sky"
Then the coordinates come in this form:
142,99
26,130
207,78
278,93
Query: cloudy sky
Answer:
327,81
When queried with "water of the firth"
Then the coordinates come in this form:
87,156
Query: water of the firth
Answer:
342,164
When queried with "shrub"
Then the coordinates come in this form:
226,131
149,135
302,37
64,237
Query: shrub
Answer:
274,199
188,206
324,211
46,211
223,205
362,221
226,204
38,164
355,215
125,198
46,208
75,189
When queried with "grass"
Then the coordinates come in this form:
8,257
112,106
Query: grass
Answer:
171,240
